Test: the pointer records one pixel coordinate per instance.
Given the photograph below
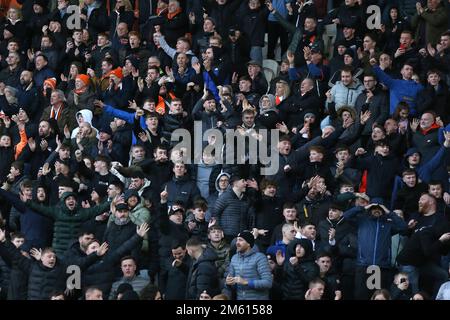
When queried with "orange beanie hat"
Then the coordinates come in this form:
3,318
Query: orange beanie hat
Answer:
117,72
84,78
51,82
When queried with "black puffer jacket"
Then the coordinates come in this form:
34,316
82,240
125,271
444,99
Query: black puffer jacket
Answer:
121,144
13,281
171,122
116,235
41,279
203,276
296,277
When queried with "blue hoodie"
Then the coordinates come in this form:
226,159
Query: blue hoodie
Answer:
126,116
400,90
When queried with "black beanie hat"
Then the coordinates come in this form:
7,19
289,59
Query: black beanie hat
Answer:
124,287
134,61
102,190
130,295
247,236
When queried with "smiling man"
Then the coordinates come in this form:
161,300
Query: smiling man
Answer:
68,218
249,271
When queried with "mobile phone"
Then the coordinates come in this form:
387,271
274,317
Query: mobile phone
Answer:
402,46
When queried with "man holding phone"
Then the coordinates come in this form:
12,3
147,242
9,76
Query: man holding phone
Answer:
406,52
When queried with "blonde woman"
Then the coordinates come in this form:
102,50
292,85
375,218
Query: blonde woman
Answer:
14,15
282,91
14,23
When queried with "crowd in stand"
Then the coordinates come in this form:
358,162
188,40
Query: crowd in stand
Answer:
94,186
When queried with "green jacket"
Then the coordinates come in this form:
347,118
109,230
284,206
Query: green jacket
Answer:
67,223
436,24
138,215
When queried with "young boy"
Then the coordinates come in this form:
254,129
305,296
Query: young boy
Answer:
196,223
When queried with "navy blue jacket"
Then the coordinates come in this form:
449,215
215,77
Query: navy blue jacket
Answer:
374,236
36,228
183,189
43,74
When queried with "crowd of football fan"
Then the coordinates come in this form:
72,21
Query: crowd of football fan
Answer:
97,192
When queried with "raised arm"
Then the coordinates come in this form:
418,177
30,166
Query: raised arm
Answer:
88,213
353,212
14,200
165,46
383,76
44,210
127,116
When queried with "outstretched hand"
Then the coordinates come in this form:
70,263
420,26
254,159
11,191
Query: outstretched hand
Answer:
36,254
102,249
142,229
